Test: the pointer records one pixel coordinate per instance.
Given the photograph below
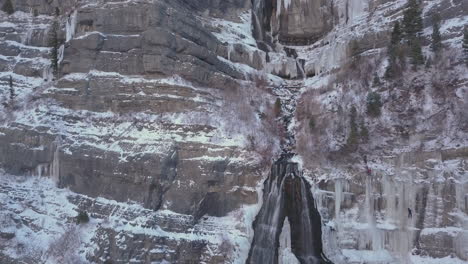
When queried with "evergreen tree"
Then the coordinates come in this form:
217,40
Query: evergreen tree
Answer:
393,51
353,132
396,34
465,45
54,44
364,132
278,107
312,123
12,89
416,54
436,38
8,7
412,20
374,104
376,81
412,28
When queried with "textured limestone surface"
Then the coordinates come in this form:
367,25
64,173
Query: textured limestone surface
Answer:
162,123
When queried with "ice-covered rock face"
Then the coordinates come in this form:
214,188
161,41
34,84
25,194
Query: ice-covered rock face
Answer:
167,109
136,103
302,22
291,22
287,200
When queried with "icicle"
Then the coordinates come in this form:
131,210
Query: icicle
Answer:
301,69
42,170
250,55
460,195
278,8
286,256
26,39
338,198
70,26
389,198
257,10
47,73
55,173
61,51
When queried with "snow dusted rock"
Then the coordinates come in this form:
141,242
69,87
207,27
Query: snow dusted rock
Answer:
99,141
161,121
116,232
299,22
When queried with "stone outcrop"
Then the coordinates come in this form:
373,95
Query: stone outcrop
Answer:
162,122
114,55
299,22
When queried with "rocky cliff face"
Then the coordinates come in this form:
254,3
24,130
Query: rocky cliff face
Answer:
164,118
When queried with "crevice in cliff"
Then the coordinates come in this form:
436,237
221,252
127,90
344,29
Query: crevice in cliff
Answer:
160,186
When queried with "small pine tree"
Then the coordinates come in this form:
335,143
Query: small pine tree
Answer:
364,132
465,45
416,54
82,217
413,27
12,89
376,81
412,20
353,132
396,34
392,50
277,107
8,7
54,44
374,104
312,123
436,38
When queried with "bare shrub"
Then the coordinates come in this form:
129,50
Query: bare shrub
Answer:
261,83
247,110
64,249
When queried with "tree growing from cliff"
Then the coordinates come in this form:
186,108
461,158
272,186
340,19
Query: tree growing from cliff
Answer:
8,7
374,104
311,123
465,45
412,20
277,107
82,217
412,28
353,137
376,80
54,44
436,38
416,54
364,133
393,50
396,34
